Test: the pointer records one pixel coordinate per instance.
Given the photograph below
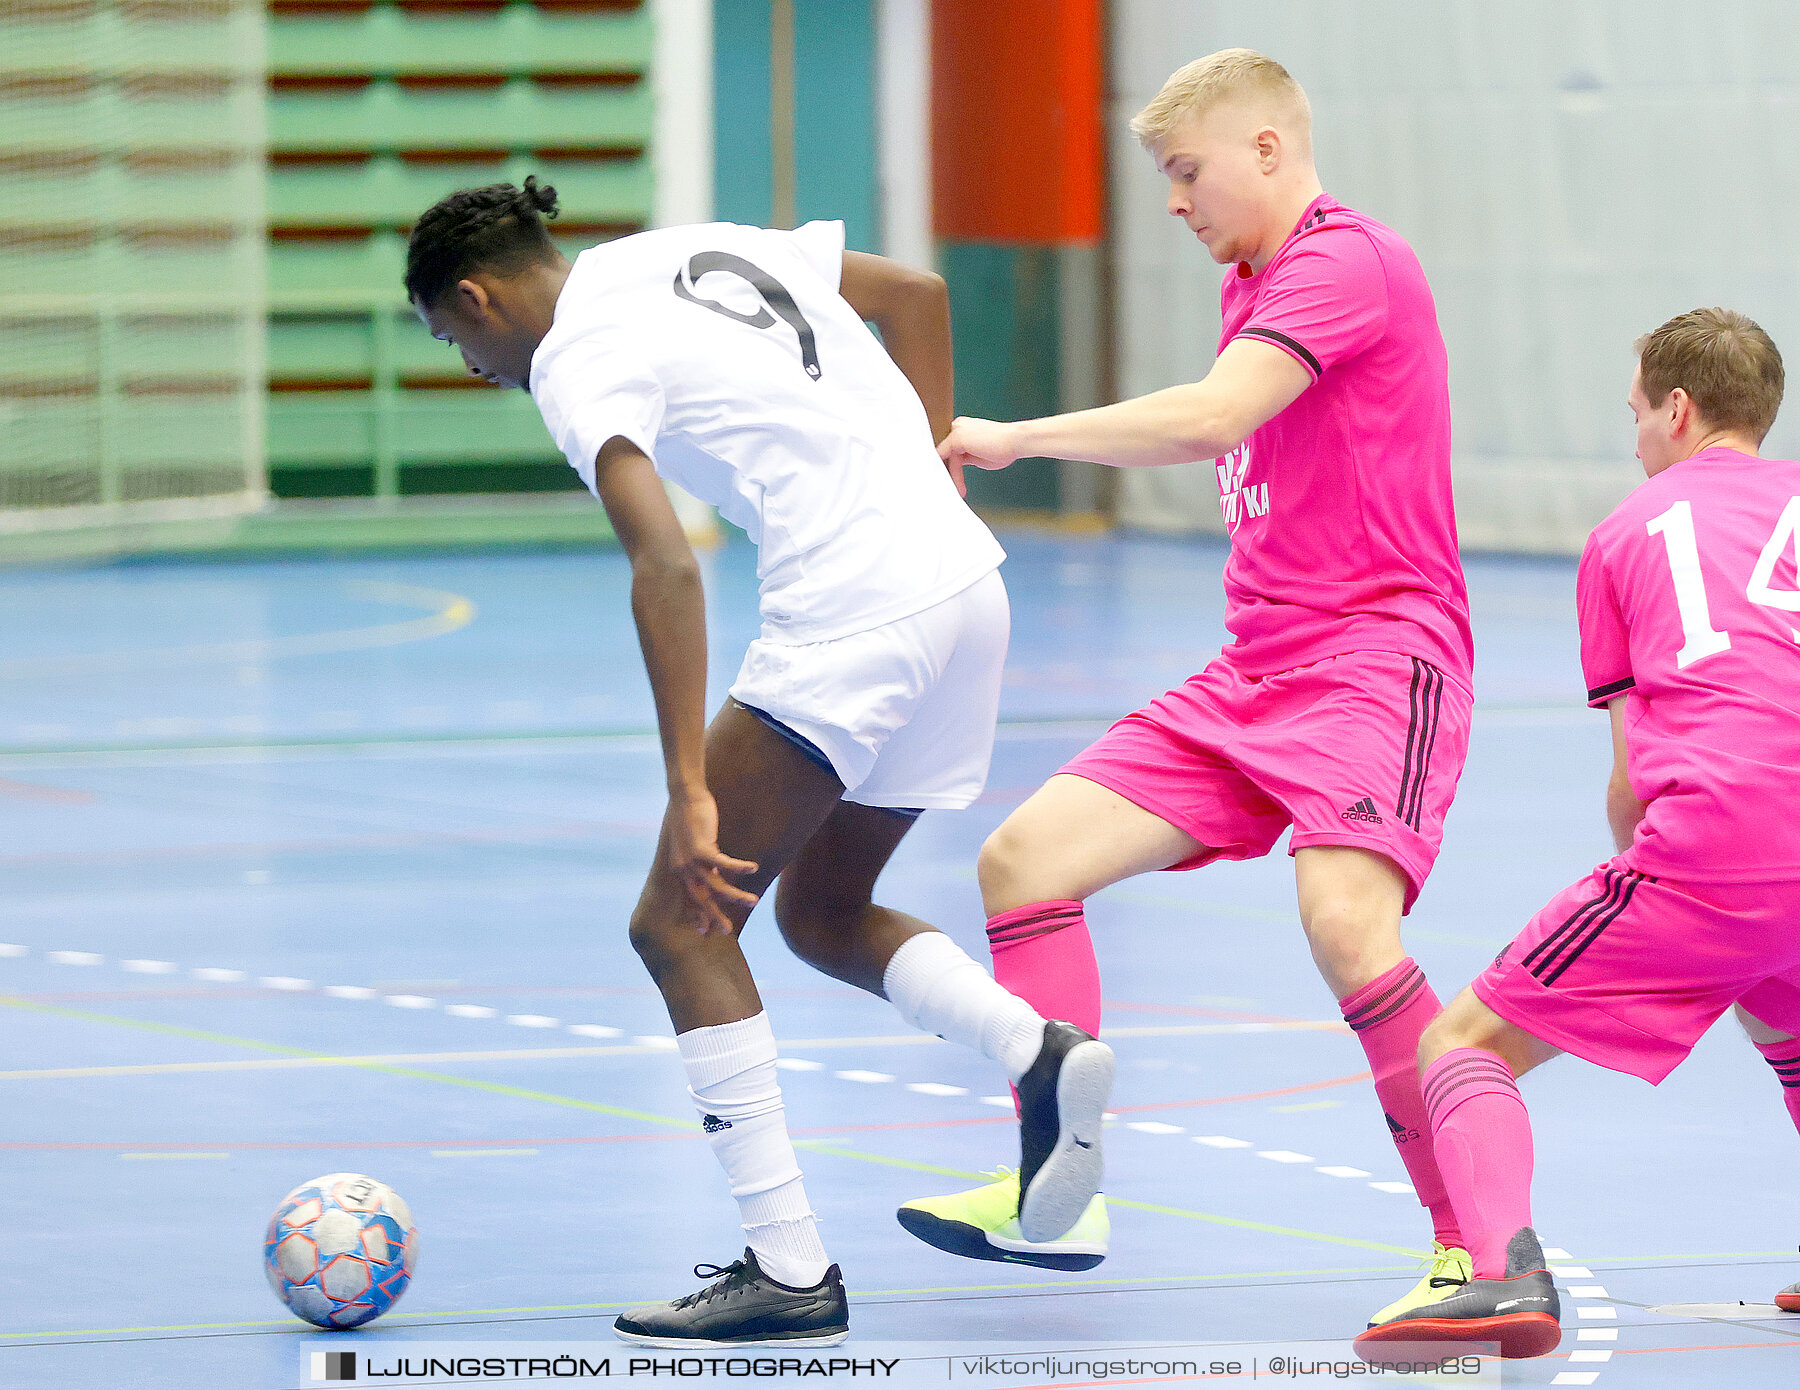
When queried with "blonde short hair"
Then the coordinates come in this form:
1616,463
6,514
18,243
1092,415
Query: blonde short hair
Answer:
1729,367
1206,81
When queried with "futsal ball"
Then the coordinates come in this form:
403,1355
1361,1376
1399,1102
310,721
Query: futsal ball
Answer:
340,1249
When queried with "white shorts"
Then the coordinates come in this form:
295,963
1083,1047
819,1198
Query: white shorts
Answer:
904,712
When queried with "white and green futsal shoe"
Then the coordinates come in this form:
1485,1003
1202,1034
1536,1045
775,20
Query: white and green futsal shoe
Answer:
983,1224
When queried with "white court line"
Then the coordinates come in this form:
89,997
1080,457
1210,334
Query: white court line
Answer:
218,975
287,982
1154,1127
871,1078
798,1064
409,1001
469,1011
350,991
532,1020
76,957
1337,1172
1283,1156
8,948
1220,1141
149,967
936,1088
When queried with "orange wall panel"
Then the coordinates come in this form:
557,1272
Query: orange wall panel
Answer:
1016,95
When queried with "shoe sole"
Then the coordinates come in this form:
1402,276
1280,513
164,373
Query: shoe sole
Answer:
1788,1302
971,1242
1519,1335
1067,1180
818,1339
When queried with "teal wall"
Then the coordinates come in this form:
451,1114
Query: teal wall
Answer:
1004,313
834,118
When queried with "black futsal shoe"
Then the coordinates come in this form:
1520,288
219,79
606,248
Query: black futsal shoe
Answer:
1521,1312
1062,1108
743,1307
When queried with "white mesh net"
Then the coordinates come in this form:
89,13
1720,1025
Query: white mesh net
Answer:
131,261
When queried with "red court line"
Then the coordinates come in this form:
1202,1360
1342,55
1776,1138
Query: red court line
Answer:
178,1145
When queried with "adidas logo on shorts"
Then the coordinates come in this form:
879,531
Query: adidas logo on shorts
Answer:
1363,810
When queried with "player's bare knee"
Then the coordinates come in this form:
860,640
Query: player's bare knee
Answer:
1003,869
813,926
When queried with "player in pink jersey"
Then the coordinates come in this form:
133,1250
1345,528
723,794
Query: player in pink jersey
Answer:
1342,708
1688,599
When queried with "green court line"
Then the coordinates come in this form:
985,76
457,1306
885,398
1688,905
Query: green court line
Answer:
286,1325
572,1103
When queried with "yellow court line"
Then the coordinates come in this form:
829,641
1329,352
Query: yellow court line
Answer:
445,612
573,1103
310,1059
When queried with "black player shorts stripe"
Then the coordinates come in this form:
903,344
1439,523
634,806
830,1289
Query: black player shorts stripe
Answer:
1593,934
1428,740
1606,692
1573,922
1298,349
1426,697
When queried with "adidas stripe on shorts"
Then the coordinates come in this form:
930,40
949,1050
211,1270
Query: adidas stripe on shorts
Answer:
1362,749
1628,971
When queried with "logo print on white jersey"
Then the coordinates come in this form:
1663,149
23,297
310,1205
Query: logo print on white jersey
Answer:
775,295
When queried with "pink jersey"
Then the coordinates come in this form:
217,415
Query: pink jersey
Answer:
1343,532
1690,608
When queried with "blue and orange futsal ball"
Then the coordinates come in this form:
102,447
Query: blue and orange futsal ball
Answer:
340,1249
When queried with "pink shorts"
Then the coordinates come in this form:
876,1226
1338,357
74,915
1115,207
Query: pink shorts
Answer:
1628,971
1362,749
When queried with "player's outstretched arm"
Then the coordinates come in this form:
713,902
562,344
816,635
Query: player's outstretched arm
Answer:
669,604
1623,809
1249,385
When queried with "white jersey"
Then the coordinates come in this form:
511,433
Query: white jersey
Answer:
726,354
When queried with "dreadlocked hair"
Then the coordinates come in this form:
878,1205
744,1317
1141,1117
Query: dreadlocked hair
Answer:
499,228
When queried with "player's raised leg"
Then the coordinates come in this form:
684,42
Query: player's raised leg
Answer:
827,913
771,798
1350,907
1072,838
1481,1133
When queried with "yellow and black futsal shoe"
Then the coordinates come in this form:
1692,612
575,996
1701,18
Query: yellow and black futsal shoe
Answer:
983,1224
1449,1269
1062,1109
1520,1312
743,1307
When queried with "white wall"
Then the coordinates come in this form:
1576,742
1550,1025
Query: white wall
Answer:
1571,174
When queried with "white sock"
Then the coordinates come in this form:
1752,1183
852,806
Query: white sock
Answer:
731,1077
937,987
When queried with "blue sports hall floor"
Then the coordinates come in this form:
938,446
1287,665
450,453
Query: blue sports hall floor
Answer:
324,865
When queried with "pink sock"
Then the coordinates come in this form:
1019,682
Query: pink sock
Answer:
1482,1134
1389,1015
1043,954
1785,1058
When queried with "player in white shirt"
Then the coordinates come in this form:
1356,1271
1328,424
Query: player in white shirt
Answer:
735,361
